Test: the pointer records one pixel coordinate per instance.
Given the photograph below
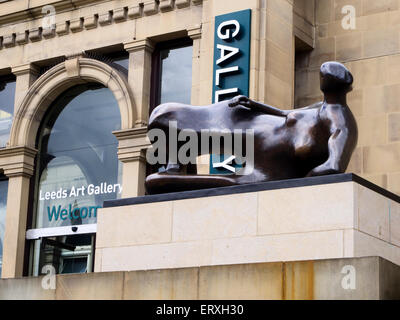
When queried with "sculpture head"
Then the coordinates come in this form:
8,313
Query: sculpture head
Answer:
335,78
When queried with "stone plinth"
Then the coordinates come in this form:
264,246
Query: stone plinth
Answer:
338,216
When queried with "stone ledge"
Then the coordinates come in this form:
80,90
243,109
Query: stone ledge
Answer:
375,278
282,184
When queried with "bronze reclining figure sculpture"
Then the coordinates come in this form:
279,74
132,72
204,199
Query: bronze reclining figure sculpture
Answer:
312,141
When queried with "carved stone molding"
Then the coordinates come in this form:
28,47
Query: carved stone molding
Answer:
24,69
194,32
17,161
92,21
137,45
51,84
132,144
72,67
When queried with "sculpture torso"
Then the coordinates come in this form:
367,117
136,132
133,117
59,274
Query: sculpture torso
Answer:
286,147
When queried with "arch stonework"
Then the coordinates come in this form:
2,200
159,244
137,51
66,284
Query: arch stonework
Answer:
60,78
17,159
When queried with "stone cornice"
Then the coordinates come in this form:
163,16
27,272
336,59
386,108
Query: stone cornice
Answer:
132,144
194,32
138,45
33,9
103,17
17,161
130,133
24,69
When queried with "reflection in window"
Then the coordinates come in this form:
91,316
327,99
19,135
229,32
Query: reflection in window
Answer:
172,73
3,206
78,169
7,96
176,75
120,61
60,176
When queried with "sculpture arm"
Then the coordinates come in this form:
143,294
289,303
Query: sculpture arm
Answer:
256,106
341,144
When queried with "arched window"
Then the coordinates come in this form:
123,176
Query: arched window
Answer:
77,170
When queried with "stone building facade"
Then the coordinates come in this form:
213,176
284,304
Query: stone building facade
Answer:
48,47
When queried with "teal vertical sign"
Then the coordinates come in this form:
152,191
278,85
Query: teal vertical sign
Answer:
231,55
231,64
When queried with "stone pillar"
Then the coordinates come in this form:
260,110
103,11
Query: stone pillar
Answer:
195,34
276,54
139,77
203,162
26,74
132,153
18,165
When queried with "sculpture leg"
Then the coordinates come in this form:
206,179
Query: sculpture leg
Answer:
174,168
181,169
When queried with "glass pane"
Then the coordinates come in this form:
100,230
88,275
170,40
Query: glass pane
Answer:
74,265
123,62
79,167
67,254
3,206
176,75
7,95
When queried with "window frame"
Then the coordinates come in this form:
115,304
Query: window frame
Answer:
34,234
7,78
156,72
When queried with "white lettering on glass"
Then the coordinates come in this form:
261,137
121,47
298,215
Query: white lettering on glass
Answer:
81,191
